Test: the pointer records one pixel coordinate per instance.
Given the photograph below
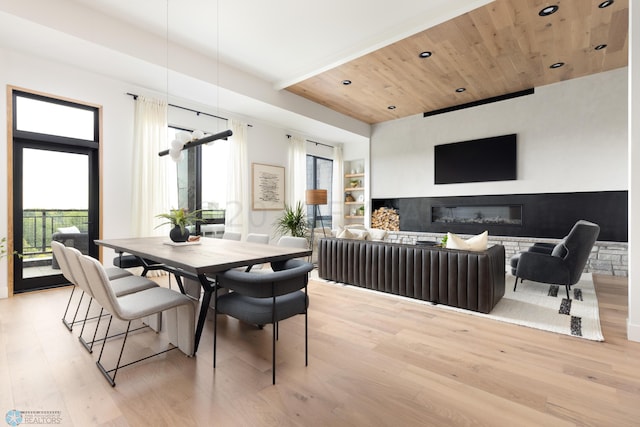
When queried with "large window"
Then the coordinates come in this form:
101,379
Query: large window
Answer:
201,177
320,177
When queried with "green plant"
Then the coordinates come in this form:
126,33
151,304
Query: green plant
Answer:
3,249
292,222
180,217
443,242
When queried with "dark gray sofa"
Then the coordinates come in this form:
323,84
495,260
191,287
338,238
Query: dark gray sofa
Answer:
464,279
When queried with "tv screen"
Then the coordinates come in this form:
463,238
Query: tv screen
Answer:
479,160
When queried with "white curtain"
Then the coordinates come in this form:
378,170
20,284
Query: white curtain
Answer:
237,211
150,187
297,174
337,204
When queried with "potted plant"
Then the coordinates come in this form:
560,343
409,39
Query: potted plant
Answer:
180,219
293,221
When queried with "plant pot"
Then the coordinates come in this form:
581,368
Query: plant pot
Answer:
177,235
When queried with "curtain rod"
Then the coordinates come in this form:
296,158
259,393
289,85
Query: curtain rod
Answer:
315,142
185,108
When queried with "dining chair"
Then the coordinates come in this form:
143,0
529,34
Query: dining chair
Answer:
60,253
232,235
262,299
179,309
122,286
258,238
293,242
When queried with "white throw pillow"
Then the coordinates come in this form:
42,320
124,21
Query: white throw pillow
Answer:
475,243
377,234
352,234
68,230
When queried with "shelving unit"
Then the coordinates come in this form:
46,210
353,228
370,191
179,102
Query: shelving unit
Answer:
355,211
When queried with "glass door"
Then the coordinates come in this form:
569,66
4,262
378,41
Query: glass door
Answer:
55,189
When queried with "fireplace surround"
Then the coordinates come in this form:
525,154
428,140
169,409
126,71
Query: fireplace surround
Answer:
539,215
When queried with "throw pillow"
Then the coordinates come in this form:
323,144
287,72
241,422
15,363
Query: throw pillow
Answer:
377,234
475,243
68,230
559,250
352,234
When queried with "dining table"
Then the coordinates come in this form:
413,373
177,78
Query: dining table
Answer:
201,260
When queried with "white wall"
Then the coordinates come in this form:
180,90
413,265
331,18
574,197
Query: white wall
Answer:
572,136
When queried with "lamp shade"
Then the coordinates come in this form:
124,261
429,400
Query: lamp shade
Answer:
316,197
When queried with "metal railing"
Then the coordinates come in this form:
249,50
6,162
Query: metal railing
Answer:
38,225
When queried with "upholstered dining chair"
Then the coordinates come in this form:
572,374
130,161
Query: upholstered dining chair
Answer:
232,235
293,242
178,307
566,261
59,250
121,284
266,298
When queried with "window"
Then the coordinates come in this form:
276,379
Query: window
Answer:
320,177
201,178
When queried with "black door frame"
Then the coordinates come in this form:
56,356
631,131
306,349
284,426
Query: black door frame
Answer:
24,139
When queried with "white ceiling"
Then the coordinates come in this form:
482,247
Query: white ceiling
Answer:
274,44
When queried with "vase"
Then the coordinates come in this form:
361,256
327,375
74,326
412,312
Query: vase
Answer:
177,235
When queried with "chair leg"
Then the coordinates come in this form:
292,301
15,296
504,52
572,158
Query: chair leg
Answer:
273,339
215,327
64,316
515,284
98,363
567,288
69,325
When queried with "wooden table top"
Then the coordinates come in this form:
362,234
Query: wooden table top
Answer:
208,256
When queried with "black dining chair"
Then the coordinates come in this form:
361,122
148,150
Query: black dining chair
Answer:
265,298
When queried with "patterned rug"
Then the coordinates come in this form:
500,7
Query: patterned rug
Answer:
546,307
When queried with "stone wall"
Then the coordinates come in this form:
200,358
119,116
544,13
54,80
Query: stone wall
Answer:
609,258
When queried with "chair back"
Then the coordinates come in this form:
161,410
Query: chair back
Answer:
578,244
293,276
232,235
293,242
59,253
99,283
258,238
73,259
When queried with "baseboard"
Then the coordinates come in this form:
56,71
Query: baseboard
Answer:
633,331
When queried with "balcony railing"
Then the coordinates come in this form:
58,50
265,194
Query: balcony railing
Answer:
38,225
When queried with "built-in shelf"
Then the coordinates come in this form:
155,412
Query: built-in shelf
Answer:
358,177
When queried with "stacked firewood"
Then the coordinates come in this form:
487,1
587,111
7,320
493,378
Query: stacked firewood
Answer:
385,219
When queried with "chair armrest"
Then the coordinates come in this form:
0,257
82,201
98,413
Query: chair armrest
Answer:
541,267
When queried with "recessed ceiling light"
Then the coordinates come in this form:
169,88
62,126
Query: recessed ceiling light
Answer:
556,65
548,10
346,82
606,3
425,54
600,47
460,89
391,107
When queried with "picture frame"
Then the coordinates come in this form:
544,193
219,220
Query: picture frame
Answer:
267,187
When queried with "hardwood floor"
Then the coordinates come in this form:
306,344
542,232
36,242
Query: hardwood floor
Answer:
374,360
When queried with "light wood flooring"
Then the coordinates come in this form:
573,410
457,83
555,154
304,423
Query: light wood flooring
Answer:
373,361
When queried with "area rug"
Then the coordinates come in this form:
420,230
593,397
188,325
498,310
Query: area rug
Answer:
541,306
546,307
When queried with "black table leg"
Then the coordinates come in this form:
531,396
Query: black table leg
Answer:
208,288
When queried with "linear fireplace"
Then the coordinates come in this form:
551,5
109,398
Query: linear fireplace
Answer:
496,215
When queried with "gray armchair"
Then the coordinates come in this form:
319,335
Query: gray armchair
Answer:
263,298
564,264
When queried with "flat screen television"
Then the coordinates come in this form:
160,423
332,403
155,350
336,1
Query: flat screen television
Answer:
479,160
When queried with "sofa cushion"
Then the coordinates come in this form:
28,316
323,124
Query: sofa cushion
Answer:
68,230
377,234
475,243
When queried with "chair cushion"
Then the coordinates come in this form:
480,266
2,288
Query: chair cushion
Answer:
131,284
258,311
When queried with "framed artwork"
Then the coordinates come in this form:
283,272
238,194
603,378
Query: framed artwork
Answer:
267,187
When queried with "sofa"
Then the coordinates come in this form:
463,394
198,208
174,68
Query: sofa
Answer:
466,279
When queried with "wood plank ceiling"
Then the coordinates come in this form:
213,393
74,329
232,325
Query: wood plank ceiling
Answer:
501,48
